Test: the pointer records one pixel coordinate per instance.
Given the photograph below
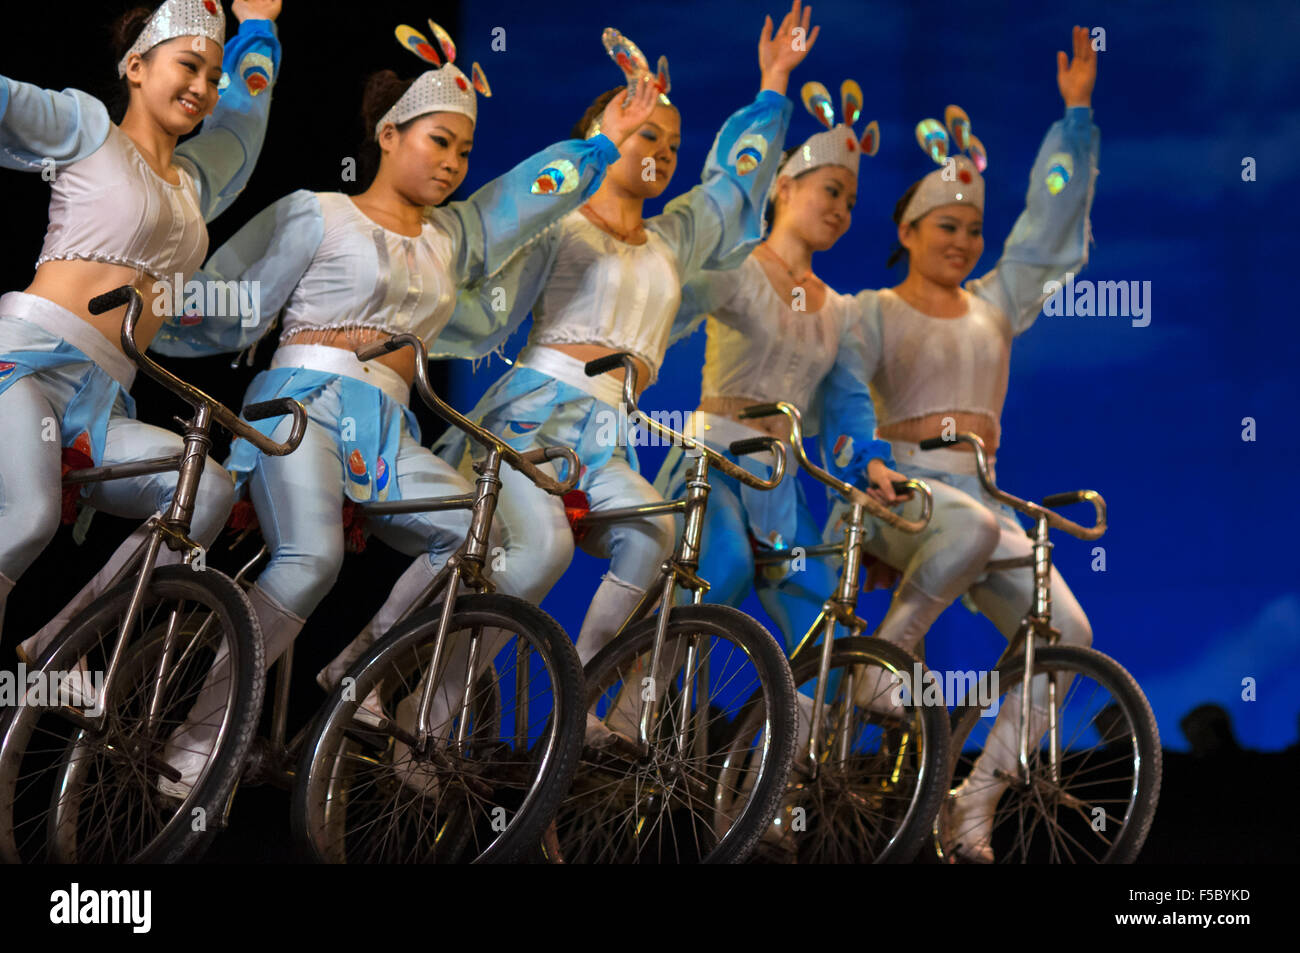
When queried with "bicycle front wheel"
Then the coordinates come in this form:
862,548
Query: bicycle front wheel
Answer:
880,773
657,804
499,755
1093,804
76,789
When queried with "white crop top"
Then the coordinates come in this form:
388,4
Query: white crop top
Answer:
931,365
112,207
605,291
761,349
324,263
364,276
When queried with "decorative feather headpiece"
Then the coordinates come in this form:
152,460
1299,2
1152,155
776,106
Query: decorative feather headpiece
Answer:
629,58
445,89
958,180
839,144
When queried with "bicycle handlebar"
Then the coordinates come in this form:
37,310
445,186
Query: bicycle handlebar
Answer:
128,295
523,462
1029,509
609,362
847,490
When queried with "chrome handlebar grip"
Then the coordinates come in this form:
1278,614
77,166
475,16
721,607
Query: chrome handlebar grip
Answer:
609,362
848,491
130,296
448,413
1032,510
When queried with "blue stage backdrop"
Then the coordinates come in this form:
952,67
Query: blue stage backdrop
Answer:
1185,424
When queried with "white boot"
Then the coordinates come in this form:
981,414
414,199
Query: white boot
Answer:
31,649
409,587
911,613
190,746
972,806
610,606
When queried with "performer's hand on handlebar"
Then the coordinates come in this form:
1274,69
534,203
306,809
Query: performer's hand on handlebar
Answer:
882,483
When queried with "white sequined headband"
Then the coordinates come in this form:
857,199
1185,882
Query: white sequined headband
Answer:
177,18
445,89
839,144
958,180
634,65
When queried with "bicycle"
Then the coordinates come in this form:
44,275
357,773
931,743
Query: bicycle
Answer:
475,717
663,687
79,780
1055,787
865,787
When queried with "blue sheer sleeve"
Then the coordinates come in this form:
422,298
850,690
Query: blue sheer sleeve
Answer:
249,278
1051,235
41,129
513,209
708,293
718,223
222,156
505,233
844,414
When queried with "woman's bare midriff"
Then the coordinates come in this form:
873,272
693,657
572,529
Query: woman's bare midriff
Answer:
777,425
912,431
402,361
589,352
71,285
935,425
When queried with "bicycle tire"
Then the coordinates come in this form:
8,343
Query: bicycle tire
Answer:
776,685
1143,732
321,787
91,635
903,823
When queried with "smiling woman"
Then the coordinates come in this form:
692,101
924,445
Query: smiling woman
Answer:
127,206
346,270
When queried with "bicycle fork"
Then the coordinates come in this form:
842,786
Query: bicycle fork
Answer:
1037,623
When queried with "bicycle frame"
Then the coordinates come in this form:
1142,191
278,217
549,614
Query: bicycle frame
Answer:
841,607
189,462
463,569
1038,620
682,568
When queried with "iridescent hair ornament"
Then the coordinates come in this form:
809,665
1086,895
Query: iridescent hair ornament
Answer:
177,18
444,89
629,58
839,144
958,180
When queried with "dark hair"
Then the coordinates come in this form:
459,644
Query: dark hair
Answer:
769,214
383,89
125,30
596,108
899,208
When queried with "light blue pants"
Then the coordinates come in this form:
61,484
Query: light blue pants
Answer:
967,529
299,502
31,462
791,593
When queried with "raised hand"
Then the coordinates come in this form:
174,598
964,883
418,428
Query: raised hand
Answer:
1076,79
780,52
255,9
627,111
